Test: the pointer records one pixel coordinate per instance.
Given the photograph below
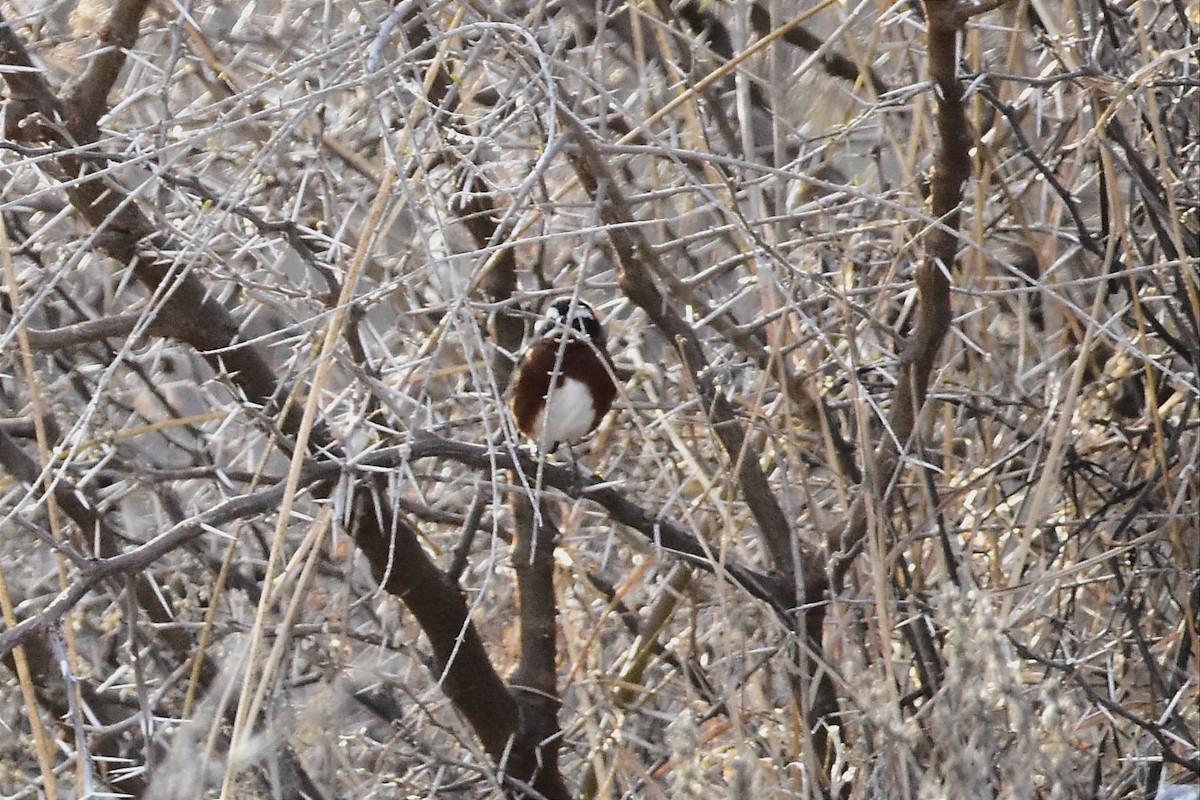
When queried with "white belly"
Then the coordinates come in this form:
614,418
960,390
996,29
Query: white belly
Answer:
568,414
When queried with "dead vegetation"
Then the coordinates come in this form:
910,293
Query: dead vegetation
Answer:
900,499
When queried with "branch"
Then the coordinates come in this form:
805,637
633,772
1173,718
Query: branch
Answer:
20,427
86,100
661,532
970,8
835,64
635,257
87,332
132,562
1167,741
402,568
185,307
25,82
952,170
499,281
189,312
534,683
934,313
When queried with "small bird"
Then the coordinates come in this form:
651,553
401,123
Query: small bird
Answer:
583,389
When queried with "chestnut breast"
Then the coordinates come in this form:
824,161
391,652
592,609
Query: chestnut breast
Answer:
571,416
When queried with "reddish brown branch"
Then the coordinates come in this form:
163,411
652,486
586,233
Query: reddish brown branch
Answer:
952,170
403,568
934,314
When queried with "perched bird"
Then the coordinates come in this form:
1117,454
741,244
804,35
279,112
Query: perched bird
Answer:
583,388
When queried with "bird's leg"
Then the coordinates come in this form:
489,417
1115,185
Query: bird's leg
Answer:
578,474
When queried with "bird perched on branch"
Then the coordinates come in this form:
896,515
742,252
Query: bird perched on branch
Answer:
564,385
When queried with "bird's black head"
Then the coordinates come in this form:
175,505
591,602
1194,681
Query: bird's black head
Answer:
576,314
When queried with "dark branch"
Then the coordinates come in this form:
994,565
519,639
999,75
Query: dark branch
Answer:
635,279
664,533
87,332
86,99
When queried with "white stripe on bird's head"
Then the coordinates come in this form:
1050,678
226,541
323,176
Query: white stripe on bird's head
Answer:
576,314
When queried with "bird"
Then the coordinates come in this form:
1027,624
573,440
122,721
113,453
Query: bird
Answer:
570,352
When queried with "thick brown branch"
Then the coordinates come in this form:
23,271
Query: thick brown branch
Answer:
190,312
28,90
934,314
86,100
187,310
952,169
635,279
403,568
534,684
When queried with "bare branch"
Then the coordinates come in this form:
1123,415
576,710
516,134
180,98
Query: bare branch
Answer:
660,531
87,332
636,281
86,100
